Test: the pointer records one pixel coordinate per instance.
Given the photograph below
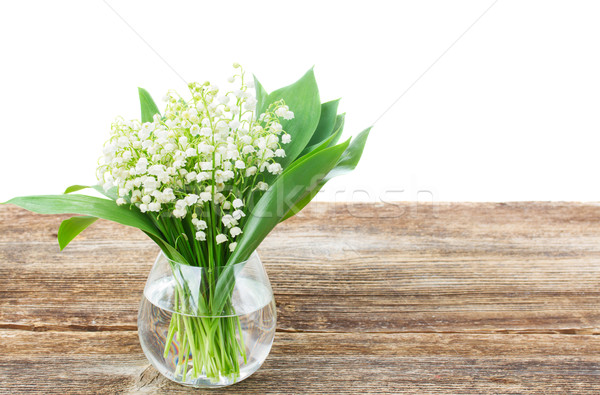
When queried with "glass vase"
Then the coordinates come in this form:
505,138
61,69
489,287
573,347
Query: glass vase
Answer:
207,327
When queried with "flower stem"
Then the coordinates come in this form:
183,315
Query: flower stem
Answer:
213,345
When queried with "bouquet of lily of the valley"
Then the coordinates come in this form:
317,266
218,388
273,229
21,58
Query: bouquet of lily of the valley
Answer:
207,180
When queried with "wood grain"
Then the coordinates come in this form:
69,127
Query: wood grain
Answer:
110,362
388,298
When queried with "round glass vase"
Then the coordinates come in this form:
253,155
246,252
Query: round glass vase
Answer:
207,327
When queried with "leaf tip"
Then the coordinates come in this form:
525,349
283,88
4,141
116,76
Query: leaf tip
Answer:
310,72
346,143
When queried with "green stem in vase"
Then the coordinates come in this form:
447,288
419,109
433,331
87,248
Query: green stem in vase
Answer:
213,344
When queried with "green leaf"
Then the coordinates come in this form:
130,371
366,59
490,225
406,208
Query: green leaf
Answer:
169,250
272,206
346,163
75,188
71,227
111,193
339,124
328,142
326,122
302,97
300,204
148,106
278,199
75,225
86,205
261,95
93,207
351,156
319,147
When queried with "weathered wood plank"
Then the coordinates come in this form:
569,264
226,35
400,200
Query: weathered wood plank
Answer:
464,267
93,296
468,298
109,362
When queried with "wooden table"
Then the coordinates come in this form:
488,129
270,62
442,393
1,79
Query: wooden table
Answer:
465,297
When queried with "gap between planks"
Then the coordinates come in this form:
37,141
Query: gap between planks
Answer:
133,328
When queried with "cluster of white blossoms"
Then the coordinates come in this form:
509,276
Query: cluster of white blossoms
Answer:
202,154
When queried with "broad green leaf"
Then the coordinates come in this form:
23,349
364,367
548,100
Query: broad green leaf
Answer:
284,192
86,205
261,95
302,97
148,106
339,124
75,188
346,163
304,201
319,147
169,250
111,193
272,206
326,122
95,207
351,156
328,142
71,227
79,222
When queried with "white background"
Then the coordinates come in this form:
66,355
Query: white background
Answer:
510,112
